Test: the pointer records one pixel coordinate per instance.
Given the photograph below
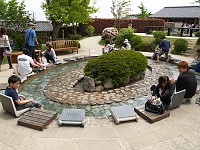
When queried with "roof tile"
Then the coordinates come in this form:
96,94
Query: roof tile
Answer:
178,12
43,26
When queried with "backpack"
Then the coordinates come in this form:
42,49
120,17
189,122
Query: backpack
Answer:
154,108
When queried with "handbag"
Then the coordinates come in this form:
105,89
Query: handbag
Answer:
7,52
150,106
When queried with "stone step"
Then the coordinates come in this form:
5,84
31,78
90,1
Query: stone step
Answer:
187,54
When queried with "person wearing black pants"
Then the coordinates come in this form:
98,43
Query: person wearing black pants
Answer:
31,39
50,54
4,45
186,80
164,90
49,58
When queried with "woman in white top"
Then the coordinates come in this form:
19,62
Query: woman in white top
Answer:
50,54
127,45
4,45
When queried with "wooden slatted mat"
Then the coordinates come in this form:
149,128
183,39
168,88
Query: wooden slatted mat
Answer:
150,117
37,118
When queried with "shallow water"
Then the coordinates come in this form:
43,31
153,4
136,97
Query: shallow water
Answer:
35,87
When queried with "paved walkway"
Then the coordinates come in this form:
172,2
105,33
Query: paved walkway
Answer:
179,131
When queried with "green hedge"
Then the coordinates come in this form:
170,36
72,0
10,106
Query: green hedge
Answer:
90,30
197,34
145,47
104,37
180,46
127,33
76,37
198,41
20,41
159,35
76,42
117,65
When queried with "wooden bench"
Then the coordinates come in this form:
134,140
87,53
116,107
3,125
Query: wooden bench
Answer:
37,119
16,54
150,117
63,45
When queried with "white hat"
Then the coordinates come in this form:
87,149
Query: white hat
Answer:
31,24
126,41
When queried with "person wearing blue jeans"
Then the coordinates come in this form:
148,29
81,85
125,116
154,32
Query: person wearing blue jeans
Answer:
164,45
31,39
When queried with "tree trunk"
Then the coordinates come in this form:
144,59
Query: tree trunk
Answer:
74,28
56,28
56,25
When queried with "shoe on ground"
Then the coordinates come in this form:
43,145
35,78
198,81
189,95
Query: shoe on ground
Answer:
186,100
197,101
37,105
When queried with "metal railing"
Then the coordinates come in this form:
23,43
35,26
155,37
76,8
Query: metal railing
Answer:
181,31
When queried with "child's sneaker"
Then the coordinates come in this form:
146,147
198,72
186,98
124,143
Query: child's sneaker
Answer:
37,105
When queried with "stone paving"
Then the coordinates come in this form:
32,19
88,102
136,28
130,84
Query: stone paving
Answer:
180,131
62,87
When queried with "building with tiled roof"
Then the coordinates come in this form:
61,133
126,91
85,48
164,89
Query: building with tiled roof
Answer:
188,14
43,26
43,30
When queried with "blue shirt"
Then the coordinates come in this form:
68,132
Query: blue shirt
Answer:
12,93
30,35
164,45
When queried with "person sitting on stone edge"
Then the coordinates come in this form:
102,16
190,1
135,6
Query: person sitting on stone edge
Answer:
20,101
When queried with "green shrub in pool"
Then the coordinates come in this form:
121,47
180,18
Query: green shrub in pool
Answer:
116,66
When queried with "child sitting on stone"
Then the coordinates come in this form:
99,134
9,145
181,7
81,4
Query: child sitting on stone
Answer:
37,61
156,53
20,101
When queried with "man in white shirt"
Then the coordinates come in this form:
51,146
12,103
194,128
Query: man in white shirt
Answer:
25,62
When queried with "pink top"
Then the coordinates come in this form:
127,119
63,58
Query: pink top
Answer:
39,63
106,48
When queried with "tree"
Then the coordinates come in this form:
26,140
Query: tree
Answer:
197,1
144,12
3,9
80,13
13,16
57,12
67,11
120,9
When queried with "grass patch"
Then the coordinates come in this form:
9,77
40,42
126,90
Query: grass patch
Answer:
150,39
172,40
102,42
145,39
5,60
